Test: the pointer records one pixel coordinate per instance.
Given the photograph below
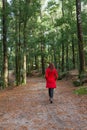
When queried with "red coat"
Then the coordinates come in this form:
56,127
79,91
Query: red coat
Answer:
51,76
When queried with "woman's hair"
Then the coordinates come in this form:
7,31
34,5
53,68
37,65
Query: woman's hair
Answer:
51,66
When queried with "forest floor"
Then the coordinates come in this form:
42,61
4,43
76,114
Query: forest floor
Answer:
28,107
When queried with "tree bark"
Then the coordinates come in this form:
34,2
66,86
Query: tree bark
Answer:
5,51
73,53
62,41
24,55
67,57
80,36
42,58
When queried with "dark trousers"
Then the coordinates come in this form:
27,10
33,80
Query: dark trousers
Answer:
51,92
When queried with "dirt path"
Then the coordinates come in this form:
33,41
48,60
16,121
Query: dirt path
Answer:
28,108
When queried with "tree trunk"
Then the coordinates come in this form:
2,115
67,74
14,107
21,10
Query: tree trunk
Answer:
80,36
62,42
73,55
62,56
36,62
54,51
72,41
5,50
24,68
67,57
42,59
16,53
24,55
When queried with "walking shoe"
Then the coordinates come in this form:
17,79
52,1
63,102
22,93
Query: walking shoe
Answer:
51,101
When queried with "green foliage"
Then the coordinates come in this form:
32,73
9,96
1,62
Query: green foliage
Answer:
81,91
77,83
1,84
62,75
45,33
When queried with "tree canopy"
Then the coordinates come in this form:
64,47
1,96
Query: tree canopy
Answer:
36,32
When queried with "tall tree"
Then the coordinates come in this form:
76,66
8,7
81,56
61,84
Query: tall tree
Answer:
5,52
62,40
80,36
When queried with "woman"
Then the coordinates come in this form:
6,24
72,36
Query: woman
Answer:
51,76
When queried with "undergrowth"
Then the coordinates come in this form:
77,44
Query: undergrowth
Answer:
81,91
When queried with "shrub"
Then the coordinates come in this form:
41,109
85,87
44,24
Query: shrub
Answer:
81,90
77,83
